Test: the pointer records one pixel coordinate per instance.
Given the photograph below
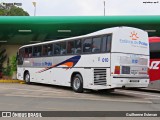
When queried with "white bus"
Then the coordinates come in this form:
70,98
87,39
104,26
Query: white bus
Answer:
110,58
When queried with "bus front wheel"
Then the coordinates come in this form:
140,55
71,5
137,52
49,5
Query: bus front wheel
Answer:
77,83
27,78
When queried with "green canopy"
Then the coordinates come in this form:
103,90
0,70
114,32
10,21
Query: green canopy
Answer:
27,29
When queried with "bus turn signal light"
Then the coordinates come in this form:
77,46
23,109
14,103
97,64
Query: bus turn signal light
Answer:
117,70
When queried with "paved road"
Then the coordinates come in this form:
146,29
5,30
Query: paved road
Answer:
37,97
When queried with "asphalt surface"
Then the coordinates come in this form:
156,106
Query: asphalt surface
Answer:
38,97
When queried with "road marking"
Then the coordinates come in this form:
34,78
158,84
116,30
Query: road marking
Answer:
152,98
93,99
32,90
137,93
11,104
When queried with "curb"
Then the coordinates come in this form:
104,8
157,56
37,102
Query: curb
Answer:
11,81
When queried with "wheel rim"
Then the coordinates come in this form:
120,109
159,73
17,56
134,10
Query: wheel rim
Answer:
27,78
76,83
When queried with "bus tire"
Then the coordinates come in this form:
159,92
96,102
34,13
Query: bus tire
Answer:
77,83
27,77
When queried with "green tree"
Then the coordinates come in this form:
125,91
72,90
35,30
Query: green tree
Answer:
7,70
12,11
2,12
13,63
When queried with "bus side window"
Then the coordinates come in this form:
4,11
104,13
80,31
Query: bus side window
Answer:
71,47
60,48
63,48
21,56
87,45
47,50
109,39
44,50
34,51
28,52
78,45
106,43
50,49
57,49
96,45
37,50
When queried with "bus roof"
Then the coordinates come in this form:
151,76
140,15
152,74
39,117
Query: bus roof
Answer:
154,39
100,32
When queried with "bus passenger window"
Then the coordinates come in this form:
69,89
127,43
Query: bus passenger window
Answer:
106,43
44,50
37,50
21,56
96,45
63,48
71,47
87,45
78,45
28,52
57,49
60,48
47,50
109,39
50,49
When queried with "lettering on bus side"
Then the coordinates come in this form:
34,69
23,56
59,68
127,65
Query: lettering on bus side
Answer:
134,61
42,64
139,43
155,65
103,59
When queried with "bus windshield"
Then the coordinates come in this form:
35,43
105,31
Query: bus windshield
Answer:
154,50
155,47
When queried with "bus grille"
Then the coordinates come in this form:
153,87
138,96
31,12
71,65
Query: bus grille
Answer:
100,77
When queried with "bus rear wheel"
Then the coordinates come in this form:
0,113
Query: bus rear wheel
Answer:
77,83
27,78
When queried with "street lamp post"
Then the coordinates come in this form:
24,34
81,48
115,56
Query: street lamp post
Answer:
34,4
104,7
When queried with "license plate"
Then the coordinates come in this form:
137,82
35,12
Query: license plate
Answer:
134,80
134,72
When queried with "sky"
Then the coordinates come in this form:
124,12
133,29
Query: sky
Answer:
89,7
